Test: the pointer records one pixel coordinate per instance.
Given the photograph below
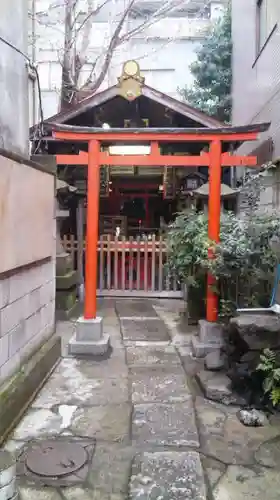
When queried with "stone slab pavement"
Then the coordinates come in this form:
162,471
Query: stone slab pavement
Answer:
155,436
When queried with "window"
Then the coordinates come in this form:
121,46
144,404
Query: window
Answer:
142,9
266,20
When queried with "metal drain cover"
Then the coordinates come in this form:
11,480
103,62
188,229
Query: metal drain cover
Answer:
55,459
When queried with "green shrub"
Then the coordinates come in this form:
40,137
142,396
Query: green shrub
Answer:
270,367
244,263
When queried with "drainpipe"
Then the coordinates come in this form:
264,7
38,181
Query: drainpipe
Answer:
33,56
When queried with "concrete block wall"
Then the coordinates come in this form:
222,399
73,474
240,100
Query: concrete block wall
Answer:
27,311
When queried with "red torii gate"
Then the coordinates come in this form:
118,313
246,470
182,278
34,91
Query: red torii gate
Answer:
94,158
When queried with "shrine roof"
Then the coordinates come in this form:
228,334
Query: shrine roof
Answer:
131,100
97,99
205,131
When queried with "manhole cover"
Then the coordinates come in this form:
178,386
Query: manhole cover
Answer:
51,458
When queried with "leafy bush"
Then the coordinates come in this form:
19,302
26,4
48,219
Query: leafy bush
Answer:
244,263
270,366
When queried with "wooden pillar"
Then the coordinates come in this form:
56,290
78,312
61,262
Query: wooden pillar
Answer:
80,239
92,229
214,214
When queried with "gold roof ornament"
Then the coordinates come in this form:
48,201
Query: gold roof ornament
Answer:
130,82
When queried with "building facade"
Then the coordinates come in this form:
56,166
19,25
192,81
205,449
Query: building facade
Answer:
164,49
14,76
256,70
256,81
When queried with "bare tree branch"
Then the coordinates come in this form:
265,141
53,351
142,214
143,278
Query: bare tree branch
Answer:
78,38
112,45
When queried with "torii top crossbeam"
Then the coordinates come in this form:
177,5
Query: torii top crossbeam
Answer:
215,159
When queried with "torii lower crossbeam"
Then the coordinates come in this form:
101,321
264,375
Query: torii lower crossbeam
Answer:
215,160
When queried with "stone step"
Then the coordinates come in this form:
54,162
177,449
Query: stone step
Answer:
201,349
217,387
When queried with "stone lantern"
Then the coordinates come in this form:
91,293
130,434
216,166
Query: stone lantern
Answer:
66,276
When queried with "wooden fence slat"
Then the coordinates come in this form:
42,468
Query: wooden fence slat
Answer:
160,265
138,264
72,250
130,264
108,262
174,287
154,248
167,282
101,267
146,258
116,263
123,262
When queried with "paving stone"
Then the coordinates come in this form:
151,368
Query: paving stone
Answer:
170,425
225,438
78,382
39,494
213,470
148,330
239,483
87,494
108,423
152,355
191,364
167,475
211,420
110,469
135,308
75,493
268,454
14,446
37,423
159,384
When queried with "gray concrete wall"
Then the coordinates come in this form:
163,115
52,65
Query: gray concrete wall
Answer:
14,77
27,293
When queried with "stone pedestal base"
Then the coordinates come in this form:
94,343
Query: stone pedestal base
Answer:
66,287
209,339
89,338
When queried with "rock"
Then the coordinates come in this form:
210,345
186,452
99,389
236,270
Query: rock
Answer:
268,454
214,360
252,418
258,331
215,385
